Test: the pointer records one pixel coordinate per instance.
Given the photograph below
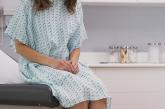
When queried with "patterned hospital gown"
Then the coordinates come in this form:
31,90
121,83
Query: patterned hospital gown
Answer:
56,33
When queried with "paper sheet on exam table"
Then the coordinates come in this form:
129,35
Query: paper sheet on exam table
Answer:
9,70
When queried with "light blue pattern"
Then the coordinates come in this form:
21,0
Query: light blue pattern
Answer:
56,33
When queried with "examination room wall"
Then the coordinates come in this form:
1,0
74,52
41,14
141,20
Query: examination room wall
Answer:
119,25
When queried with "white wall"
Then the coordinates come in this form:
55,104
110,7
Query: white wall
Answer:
9,4
119,25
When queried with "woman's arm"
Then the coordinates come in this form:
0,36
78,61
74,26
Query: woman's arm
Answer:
37,57
74,58
74,55
31,54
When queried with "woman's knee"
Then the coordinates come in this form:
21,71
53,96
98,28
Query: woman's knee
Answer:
81,105
104,100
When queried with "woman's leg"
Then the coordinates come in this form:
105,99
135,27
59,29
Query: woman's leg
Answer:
99,104
82,105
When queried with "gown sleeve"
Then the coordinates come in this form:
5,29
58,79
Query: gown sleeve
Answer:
80,34
16,28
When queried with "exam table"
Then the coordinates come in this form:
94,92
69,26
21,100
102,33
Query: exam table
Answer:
15,94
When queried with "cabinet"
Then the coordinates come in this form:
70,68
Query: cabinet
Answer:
134,88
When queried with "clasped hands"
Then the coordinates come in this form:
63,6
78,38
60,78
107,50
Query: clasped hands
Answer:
66,65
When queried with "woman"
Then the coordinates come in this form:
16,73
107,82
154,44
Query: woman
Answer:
48,36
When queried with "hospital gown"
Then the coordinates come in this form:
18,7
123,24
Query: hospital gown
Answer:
56,33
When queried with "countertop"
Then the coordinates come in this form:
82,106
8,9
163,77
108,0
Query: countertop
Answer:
135,65
93,59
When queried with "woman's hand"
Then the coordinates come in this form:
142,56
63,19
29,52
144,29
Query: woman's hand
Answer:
60,65
73,59
75,65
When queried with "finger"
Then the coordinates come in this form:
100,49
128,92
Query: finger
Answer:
70,65
76,70
66,66
67,63
70,61
61,66
76,65
73,63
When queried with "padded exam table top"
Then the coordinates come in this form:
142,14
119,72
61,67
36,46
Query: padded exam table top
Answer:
27,95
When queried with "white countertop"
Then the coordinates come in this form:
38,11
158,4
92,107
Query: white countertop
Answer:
93,59
136,65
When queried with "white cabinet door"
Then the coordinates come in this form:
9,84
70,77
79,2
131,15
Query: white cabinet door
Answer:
135,88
